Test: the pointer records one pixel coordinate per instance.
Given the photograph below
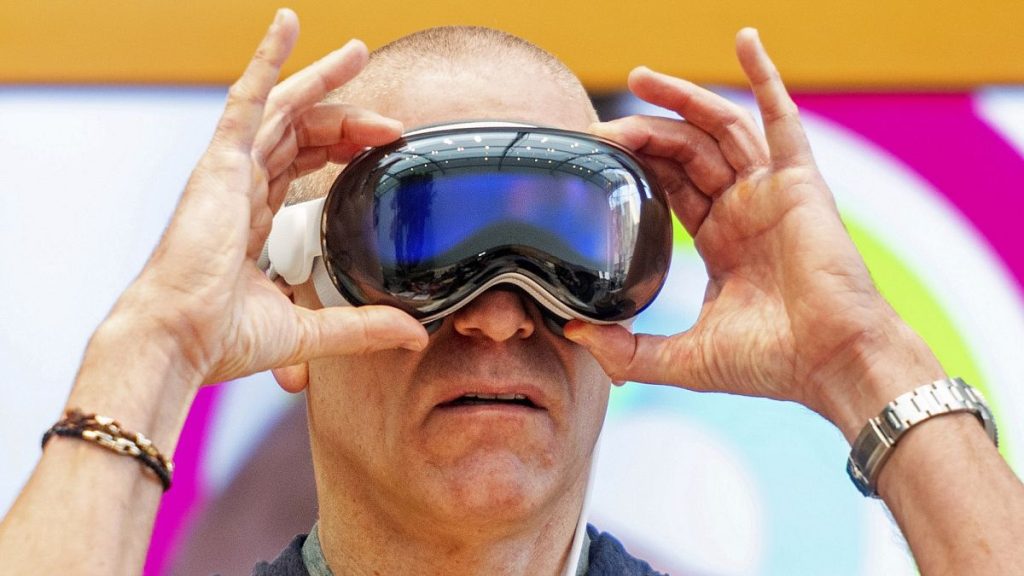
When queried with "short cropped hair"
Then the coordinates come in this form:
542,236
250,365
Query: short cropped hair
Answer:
444,49
453,49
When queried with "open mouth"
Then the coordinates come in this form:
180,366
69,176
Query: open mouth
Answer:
475,399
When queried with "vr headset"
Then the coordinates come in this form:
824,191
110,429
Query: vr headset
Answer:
430,221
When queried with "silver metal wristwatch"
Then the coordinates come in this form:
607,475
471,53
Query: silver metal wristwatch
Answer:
874,444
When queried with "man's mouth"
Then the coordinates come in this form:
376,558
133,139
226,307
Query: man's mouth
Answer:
481,399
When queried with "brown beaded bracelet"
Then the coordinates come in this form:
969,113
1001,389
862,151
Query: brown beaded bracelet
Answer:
108,433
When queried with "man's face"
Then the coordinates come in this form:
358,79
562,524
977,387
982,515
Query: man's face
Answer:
389,426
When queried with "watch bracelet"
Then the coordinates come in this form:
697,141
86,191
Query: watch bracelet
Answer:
875,443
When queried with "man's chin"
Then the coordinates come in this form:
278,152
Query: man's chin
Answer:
494,487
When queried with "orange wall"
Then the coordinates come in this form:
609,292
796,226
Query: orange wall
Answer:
847,44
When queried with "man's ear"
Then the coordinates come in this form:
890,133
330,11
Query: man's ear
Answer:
292,378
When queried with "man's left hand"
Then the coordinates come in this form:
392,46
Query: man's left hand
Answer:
790,311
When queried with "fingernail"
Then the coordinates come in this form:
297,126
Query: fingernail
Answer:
600,128
619,382
279,16
576,334
352,44
413,345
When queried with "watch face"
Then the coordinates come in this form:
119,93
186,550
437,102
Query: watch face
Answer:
858,479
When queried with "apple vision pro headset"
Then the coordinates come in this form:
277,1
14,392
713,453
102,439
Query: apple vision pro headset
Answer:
430,221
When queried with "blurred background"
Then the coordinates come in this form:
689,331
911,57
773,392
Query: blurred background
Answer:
915,111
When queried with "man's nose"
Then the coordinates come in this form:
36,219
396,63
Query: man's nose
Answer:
498,314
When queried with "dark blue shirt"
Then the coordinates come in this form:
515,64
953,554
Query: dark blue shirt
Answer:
607,558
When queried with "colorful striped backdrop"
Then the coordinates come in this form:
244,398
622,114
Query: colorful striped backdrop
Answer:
924,153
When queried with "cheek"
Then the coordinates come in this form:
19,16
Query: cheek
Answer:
598,388
591,390
353,402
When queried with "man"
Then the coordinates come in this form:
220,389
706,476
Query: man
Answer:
404,487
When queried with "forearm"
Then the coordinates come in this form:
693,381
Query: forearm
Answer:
959,505
956,500
85,509
202,310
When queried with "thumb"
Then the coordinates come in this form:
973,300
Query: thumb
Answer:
637,357
337,331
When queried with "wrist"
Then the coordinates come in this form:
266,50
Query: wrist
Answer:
135,370
871,372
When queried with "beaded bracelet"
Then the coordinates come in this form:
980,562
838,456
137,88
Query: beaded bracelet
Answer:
109,433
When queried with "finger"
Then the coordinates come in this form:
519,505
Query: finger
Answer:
307,161
343,153
738,135
248,96
786,137
282,155
305,88
692,148
338,331
637,357
690,205
328,124
278,191
311,159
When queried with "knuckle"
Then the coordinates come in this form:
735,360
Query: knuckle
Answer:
263,54
784,112
361,328
674,182
768,78
323,82
241,93
281,108
616,373
683,99
730,123
703,147
301,132
344,128
313,336
730,117
230,124
233,159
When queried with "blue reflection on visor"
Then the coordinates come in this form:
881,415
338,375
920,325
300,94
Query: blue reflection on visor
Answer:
442,217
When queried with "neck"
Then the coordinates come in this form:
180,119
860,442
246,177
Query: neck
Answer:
359,538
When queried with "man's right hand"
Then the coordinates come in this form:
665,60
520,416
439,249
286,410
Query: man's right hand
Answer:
201,311
201,288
